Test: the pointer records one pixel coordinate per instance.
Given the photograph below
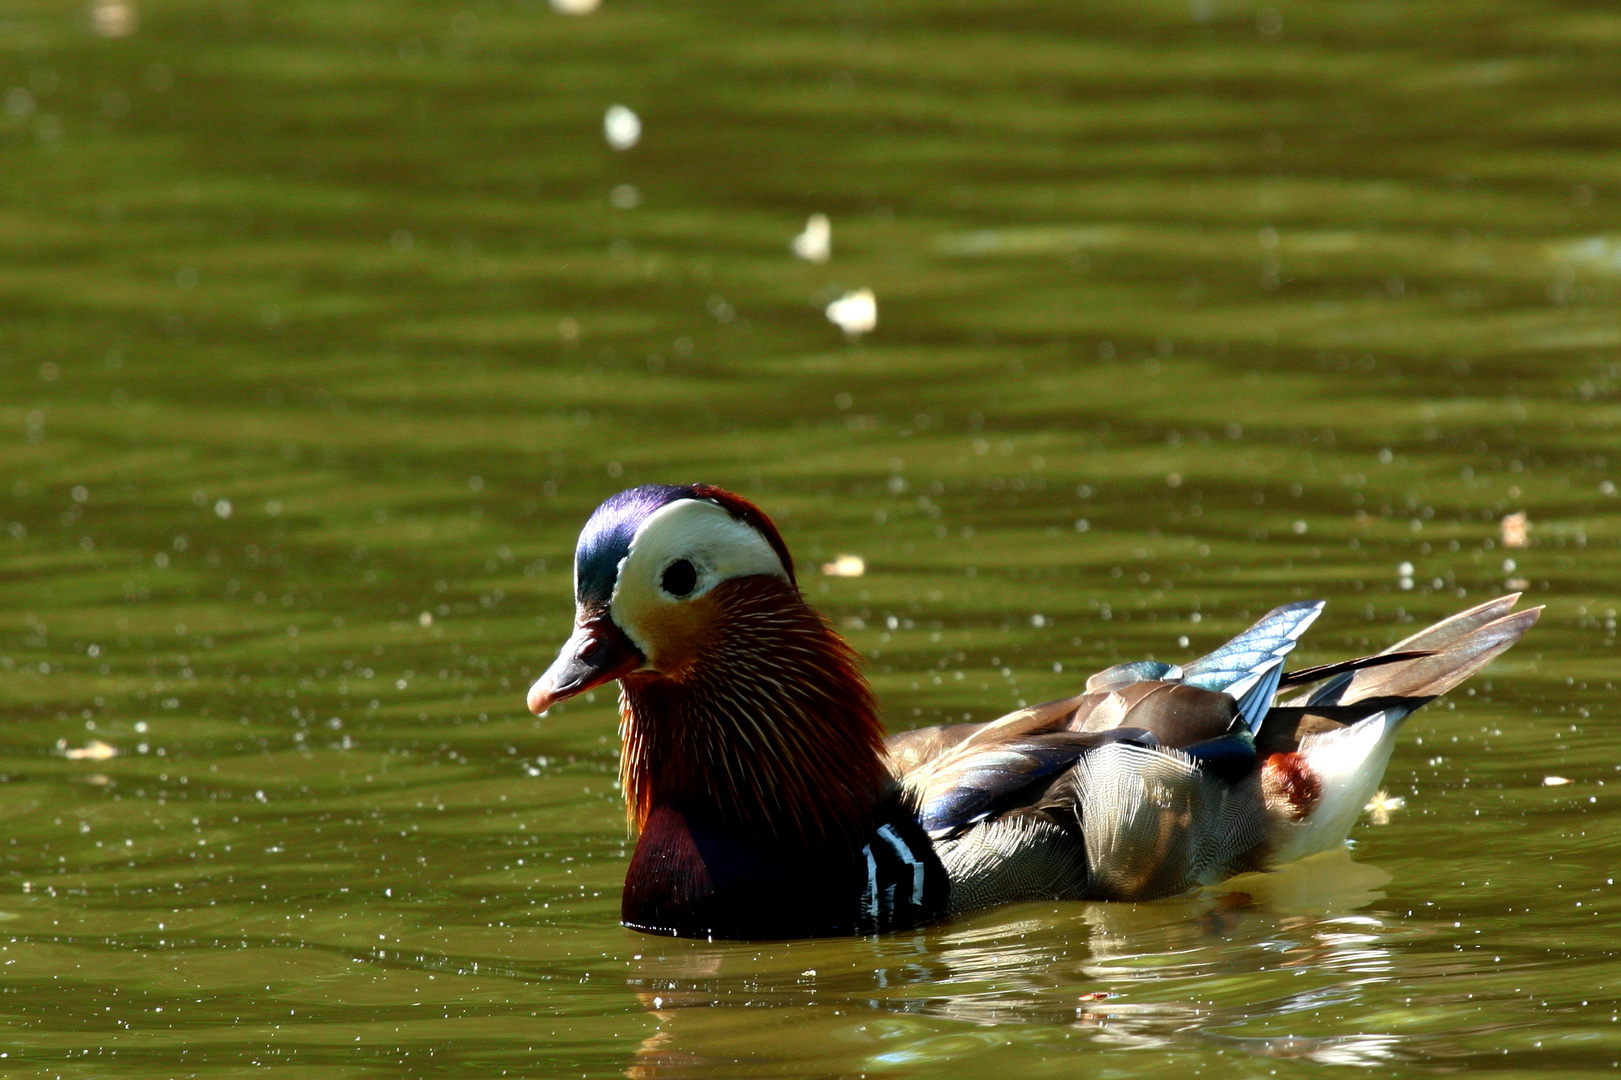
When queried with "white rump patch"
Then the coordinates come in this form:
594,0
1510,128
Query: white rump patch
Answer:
1350,762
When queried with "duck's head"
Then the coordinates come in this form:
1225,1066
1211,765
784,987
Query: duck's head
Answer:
734,692
646,573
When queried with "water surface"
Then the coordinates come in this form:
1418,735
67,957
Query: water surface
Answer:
326,324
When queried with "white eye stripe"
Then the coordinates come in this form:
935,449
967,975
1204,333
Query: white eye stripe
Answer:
718,546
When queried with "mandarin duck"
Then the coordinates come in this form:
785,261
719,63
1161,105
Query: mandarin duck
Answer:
767,802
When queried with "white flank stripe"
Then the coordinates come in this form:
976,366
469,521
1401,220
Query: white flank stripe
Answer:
871,895
889,834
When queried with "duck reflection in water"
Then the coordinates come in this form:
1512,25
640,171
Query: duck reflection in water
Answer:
1123,975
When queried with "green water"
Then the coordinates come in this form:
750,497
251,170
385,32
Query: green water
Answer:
322,330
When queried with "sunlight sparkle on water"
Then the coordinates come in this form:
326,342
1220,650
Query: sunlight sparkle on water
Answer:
845,566
113,18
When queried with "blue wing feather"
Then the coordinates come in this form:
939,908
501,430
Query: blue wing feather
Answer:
1249,666
1122,675
1257,699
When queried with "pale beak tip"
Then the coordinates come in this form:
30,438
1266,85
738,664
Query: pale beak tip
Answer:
540,697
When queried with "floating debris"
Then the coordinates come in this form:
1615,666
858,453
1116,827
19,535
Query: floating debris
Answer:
113,18
622,127
575,7
1381,806
855,313
815,244
94,750
425,619
625,197
1554,781
1516,529
845,566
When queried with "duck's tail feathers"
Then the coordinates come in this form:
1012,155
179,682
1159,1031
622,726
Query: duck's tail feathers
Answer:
1250,666
1326,751
1307,676
1432,661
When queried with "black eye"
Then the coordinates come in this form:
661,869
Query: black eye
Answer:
680,578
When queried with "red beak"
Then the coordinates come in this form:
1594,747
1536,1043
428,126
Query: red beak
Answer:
597,652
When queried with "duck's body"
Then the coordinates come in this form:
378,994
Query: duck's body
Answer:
769,805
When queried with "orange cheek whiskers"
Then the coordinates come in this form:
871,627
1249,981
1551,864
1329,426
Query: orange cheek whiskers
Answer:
678,635
766,716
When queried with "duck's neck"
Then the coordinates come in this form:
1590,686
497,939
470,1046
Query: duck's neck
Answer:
773,728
